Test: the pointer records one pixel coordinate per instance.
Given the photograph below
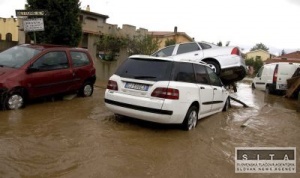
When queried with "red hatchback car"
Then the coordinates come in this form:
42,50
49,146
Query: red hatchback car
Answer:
32,71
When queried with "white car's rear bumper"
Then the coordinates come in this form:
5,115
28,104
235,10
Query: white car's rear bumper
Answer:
171,112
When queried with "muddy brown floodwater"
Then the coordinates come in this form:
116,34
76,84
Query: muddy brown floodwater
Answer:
81,138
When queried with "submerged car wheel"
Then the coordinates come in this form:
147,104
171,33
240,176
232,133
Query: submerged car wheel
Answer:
86,90
14,101
268,90
191,119
214,66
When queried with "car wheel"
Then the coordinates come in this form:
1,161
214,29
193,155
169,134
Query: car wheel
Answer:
86,90
214,66
191,119
268,90
226,105
14,101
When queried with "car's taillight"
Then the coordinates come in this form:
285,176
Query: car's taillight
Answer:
275,74
235,51
112,85
167,93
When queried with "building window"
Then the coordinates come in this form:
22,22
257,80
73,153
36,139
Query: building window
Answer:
8,37
0,36
91,18
81,19
257,57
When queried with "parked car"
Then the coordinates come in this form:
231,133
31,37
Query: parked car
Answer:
31,71
165,90
273,77
226,61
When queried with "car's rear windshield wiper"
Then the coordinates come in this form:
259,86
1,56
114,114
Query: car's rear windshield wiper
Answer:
143,77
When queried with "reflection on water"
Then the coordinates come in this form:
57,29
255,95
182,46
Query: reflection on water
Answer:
81,138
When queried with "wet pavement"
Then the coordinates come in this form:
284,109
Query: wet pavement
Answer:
81,138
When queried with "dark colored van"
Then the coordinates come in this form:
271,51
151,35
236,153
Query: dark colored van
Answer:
31,71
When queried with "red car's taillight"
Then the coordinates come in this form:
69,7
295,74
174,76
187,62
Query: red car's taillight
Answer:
235,51
167,93
112,85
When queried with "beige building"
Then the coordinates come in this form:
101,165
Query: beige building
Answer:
9,29
93,25
8,32
259,54
163,36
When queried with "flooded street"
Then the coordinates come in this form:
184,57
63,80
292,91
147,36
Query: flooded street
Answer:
81,138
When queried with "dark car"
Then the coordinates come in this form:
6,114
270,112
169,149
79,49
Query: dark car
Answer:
32,71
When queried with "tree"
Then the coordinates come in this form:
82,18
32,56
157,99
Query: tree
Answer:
62,25
259,46
249,62
227,43
219,43
256,64
169,42
142,44
283,52
109,46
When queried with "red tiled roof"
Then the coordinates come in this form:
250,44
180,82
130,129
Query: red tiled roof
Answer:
294,60
290,57
295,55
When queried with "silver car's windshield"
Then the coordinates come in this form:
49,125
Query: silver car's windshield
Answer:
17,56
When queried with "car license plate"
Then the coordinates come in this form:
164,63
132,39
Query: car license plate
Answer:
136,86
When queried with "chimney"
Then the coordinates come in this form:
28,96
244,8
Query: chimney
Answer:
88,8
175,29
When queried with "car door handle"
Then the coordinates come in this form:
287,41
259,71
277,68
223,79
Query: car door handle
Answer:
202,87
196,54
215,89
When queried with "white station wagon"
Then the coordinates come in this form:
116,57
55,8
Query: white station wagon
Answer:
227,61
163,90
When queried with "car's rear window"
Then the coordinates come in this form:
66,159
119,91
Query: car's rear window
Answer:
145,69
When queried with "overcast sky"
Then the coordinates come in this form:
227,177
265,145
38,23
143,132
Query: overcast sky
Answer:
242,22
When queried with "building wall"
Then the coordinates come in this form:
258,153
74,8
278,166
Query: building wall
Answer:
182,39
255,54
92,29
179,38
9,25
